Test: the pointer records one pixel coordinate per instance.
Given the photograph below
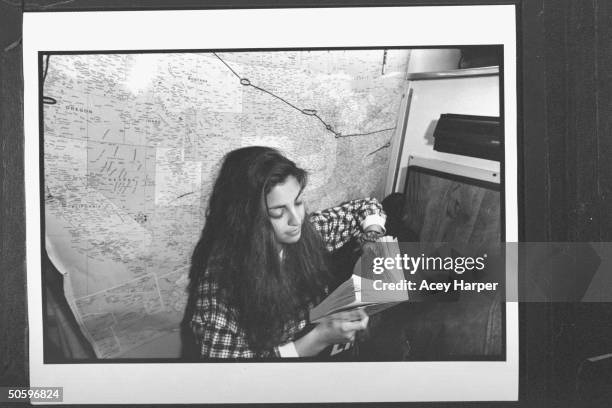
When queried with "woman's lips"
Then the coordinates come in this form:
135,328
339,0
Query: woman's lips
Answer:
294,232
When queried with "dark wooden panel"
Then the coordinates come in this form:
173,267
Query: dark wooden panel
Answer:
534,385
561,164
594,320
440,209
603,41
571,139
575,99
13,356
582,113
556,121
533,182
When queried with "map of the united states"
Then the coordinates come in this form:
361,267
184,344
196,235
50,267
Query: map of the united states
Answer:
133,143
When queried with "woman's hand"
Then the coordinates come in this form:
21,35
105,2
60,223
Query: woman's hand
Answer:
341,327
337,328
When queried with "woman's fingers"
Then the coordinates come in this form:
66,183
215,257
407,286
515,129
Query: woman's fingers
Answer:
346,324
343,326
353,326
358,321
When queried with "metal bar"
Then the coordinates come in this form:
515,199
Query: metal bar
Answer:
455,73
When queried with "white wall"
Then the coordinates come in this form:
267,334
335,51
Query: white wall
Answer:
468,95
437,59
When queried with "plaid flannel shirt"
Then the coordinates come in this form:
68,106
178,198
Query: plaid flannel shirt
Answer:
215,323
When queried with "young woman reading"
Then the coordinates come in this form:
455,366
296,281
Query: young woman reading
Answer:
262,262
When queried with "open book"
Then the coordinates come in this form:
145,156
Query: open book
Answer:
365,288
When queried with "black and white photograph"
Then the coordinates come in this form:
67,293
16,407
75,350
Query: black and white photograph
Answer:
264,208
399,203
158,166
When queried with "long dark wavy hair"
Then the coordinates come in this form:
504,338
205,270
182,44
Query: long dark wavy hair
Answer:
239,249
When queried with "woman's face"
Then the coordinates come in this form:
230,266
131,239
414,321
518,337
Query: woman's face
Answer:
286,210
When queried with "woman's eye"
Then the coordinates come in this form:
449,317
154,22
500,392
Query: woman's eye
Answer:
299,203
277,213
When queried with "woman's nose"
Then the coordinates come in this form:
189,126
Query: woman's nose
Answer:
294,217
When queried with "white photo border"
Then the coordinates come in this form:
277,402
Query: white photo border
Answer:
126,383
